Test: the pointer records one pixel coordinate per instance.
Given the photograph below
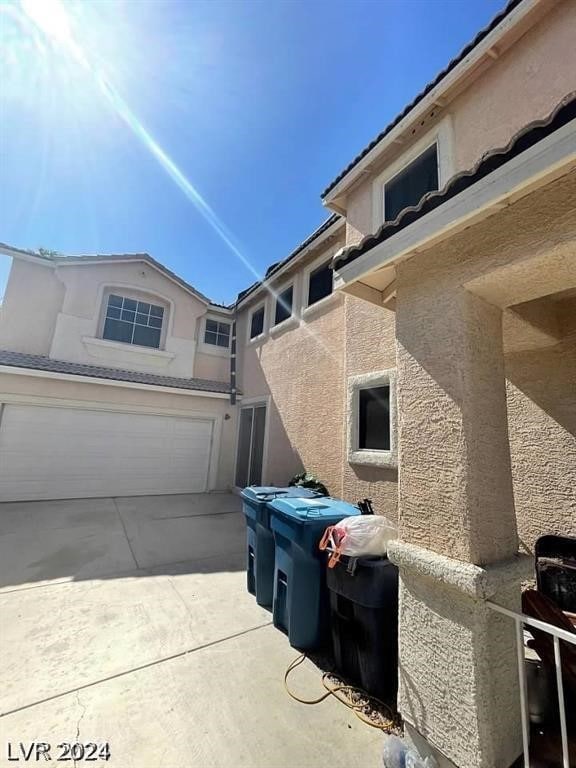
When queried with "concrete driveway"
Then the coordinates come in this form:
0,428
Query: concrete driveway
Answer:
127,622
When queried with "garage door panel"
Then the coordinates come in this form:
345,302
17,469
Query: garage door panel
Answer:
71,452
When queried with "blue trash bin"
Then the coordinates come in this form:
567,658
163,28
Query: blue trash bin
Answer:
300,599
259,538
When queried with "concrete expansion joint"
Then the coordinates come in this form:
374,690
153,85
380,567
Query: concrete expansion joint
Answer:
478,582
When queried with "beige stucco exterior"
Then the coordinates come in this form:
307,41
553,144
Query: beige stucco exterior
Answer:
479,341
525,83
540,383
30,285
66,323
302,373
486,376
299,371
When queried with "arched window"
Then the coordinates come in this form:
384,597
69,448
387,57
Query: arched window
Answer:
131,318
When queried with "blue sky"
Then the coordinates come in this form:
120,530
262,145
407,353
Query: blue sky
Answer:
259,105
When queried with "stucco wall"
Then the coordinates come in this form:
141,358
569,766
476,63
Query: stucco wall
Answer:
525,83
33,298
213,367
301,370
304,371
82,312
59,312
542,426
36,389
541,396
370,347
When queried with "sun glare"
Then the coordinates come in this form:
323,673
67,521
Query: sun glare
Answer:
51,18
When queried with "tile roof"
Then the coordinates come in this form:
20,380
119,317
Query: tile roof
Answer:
531,134
417,99
57,259
279,264
42,363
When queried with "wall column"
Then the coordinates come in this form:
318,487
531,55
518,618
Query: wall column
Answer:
458,541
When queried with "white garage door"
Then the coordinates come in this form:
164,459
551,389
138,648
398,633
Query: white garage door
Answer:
59,453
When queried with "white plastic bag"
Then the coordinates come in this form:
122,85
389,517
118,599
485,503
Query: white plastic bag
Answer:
394,752
397,754
358,536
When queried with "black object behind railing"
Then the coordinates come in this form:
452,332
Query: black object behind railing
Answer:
556,570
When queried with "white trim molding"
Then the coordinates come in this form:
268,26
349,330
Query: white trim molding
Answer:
373,458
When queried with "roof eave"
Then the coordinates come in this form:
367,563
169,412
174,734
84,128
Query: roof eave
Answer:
544,162
524,16
291,261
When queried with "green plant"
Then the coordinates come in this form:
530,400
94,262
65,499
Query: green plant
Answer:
307,480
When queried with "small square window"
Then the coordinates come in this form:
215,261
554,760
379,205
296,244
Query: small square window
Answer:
115,301
319,283
257,323
130,304
374,419
217,333
284,305
128,315
371,422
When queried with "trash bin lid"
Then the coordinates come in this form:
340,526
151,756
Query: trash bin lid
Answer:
269,492
326,509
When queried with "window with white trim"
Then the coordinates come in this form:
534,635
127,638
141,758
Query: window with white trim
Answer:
284,303
217,333
409,185
319,283
372,419
132,321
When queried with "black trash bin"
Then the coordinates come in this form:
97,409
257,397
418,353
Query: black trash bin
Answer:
364,623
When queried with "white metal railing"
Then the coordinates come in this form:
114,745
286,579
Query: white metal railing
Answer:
557,634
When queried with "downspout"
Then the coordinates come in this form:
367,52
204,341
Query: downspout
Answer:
233,365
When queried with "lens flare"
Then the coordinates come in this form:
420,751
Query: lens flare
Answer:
51,18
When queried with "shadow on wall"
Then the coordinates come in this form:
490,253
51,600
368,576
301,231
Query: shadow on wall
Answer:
109,538
542,426
304,428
